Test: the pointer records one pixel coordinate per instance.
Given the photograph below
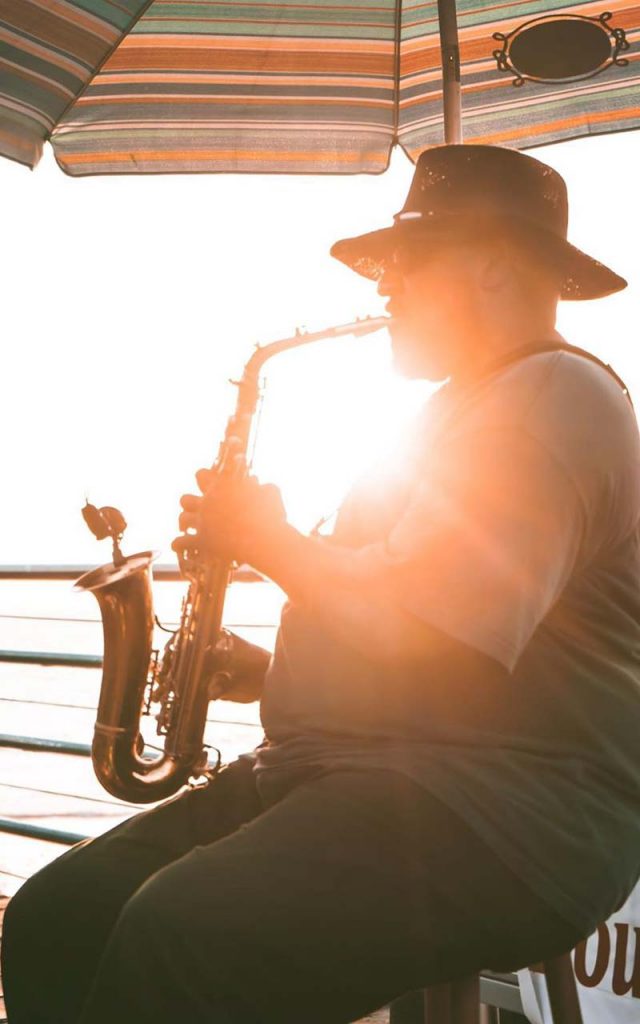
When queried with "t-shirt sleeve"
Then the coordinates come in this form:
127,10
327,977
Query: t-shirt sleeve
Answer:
488,542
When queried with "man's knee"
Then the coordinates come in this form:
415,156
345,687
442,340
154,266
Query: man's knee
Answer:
40,898
18,913
31,929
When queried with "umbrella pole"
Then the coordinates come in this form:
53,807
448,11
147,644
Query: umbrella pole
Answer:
450,71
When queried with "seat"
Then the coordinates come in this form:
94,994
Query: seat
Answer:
458,1002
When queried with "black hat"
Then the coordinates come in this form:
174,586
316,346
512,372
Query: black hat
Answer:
463,187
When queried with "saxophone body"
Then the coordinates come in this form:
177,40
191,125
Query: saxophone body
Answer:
179,682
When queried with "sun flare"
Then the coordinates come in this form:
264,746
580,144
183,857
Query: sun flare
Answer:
331,411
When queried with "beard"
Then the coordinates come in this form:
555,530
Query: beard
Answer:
418,356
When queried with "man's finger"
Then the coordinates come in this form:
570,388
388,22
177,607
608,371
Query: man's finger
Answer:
185,544
204,479
187,521
191,502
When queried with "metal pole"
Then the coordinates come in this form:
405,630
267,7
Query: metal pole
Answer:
52,835
51,658
449,48
51,746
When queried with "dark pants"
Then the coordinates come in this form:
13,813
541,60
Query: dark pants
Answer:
316,900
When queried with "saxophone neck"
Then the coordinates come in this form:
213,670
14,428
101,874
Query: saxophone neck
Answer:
239,425
355,329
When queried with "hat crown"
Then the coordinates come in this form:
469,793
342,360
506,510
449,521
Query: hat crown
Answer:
487,182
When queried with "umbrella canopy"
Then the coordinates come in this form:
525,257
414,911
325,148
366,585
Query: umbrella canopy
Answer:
318,86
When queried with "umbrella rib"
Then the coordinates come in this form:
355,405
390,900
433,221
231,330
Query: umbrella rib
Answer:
99,66
396,73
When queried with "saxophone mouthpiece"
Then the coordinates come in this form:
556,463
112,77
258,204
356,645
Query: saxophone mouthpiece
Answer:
106,522
94,521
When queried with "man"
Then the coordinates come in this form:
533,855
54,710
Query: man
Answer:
451,773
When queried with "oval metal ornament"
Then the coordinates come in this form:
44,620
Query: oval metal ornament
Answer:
561,48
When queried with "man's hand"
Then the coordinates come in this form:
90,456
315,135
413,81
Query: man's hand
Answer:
235,519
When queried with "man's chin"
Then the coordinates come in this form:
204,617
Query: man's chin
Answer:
414,359
406,367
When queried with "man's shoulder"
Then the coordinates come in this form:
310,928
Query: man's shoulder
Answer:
560,410
551,377
579,373
581,411
569,403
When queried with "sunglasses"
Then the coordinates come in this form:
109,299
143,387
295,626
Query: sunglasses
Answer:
414,255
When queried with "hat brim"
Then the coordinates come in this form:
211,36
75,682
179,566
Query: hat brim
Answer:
582,276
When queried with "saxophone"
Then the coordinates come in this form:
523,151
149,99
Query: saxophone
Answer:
181,681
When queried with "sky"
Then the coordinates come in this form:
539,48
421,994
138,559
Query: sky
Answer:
128,304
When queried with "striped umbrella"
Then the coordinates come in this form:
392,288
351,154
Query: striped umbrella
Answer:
321,86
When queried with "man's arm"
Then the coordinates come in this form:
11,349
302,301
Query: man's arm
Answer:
345,593
339,586
471,569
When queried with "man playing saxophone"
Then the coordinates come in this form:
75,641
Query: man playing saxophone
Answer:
450,777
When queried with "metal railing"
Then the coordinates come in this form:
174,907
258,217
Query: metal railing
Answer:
51,658
42,573
161,573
